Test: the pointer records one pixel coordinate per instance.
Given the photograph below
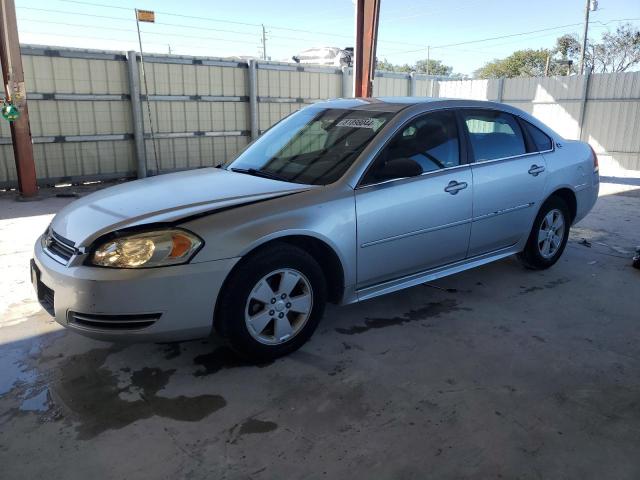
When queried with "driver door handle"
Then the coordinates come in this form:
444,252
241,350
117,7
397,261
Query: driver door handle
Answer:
454,187
535,170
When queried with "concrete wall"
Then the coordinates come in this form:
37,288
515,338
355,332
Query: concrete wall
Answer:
202,115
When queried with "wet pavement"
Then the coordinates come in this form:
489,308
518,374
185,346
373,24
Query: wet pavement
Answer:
497,372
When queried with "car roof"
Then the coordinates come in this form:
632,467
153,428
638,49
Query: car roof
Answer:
418,105
395,104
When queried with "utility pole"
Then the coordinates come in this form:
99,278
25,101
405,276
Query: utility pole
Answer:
590,5
16,94
428,60
546,66
264,43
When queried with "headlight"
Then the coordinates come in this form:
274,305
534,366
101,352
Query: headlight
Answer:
147,249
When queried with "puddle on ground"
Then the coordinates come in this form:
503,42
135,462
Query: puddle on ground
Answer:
250,426
172,350
556,283
551,284
432,309
222,358
13,370
91,394
525,290
37,403
253,425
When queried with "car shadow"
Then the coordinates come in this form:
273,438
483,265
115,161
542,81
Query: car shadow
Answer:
633,181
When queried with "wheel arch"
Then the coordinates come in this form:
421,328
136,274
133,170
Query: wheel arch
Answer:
327,258
569,197
326,255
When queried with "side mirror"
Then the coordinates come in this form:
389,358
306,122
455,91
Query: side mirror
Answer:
400,167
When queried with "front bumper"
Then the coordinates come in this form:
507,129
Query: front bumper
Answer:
180,300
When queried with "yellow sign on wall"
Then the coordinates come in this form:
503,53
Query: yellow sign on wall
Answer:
146,16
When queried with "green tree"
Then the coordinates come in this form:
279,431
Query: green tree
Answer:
618,52
568,47
387,66
521,63
436,67
567,50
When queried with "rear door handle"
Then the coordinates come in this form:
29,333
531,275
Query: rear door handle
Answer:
536,170
454,187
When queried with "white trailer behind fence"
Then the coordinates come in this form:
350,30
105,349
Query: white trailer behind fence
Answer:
86,125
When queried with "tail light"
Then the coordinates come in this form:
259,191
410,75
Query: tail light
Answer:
596,167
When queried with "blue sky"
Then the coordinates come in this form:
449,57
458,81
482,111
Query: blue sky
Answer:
227,28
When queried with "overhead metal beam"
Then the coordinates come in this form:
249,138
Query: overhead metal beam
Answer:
367,14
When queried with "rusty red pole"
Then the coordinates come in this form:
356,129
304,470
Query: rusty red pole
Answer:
13,76
367,14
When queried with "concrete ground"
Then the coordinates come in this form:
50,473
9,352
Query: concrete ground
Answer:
497,372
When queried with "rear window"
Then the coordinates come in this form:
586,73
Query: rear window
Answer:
541,140
494,134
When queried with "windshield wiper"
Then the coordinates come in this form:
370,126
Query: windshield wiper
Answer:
259,173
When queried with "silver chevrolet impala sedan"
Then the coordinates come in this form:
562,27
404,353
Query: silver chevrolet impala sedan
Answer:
340,202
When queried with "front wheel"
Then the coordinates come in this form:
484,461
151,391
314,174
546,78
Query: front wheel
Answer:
272,302
549,235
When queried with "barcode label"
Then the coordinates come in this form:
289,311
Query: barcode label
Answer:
357,123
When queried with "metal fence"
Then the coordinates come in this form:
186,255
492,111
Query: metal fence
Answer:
86,125
602,109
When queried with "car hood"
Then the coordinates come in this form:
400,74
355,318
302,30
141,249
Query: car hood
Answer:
164,198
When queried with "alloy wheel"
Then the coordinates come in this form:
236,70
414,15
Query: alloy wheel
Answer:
278,306
551,233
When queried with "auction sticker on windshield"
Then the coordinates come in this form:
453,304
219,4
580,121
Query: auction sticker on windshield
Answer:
358,123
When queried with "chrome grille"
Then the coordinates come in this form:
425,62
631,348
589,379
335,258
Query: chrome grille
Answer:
58,247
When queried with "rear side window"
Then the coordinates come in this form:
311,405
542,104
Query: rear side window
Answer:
493,134
540,139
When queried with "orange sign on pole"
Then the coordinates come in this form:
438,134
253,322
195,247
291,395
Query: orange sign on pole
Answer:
146,16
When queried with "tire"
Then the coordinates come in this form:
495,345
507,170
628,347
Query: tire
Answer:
267,274
539,254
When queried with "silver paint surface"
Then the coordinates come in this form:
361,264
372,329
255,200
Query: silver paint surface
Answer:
387,237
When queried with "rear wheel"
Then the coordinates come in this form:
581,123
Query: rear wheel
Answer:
548,236
272,302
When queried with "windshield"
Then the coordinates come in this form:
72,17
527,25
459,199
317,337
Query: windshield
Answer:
313,146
